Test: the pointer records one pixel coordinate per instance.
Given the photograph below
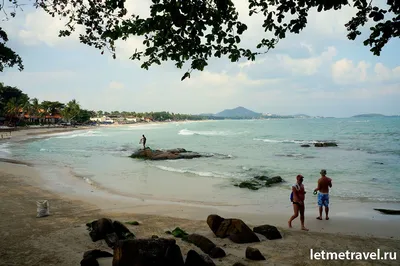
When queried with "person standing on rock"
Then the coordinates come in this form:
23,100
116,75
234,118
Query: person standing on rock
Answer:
324,183
143,141
298,194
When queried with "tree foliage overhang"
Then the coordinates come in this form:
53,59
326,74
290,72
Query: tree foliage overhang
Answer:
193,31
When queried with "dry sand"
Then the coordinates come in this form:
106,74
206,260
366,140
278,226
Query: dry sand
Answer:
61,238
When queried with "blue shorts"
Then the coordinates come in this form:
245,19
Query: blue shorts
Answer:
323,200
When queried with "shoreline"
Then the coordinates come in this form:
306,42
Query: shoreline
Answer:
61,238
77,188
343,220
24,133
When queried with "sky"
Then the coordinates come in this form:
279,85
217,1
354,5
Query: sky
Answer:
318,72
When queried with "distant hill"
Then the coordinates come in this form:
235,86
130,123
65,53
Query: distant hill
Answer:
206,114
238,112
369,115
301,115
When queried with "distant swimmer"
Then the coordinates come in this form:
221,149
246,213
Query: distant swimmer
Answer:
143,141
297,197
324,183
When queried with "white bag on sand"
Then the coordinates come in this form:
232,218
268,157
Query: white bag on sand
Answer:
43,209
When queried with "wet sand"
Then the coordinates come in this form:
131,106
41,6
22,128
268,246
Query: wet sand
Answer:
61,238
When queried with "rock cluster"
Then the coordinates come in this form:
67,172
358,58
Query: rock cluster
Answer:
157,251
173,154
258,182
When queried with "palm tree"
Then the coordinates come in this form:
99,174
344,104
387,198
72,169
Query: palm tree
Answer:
71,110
12,109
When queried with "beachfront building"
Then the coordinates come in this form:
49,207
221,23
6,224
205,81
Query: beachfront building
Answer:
102,120
41,117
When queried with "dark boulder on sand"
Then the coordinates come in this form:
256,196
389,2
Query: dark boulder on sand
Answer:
206,245
159,251
235,229
173,154
90,257
108,230
195,259
269,231
258,182
254,254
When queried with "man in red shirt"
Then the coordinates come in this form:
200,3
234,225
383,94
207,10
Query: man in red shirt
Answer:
298,202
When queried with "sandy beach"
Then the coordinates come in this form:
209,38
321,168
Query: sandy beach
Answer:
62,238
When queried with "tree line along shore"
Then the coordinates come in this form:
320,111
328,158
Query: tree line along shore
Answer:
17,109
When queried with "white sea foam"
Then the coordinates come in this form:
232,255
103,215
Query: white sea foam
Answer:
84,134
359,121
5,150
187,132
287,141
199,173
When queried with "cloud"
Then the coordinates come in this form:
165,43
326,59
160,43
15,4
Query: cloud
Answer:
312,72
344,71
307,66
41,28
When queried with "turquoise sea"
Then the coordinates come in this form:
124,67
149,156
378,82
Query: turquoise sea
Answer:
364,167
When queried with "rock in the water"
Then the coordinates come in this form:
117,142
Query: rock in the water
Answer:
140,252
269,231
261,177
235,229
250,184
254,254
195,259
273,180
305,145
173,154
259,182
325,144
388,211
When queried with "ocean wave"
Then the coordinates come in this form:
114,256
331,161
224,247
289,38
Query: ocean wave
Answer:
290,155
5,148
198,173
290,141
84,134
359,121
143,126
84,178
187,132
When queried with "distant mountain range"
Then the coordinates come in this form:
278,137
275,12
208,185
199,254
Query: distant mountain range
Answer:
372,115
244,113
239,112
